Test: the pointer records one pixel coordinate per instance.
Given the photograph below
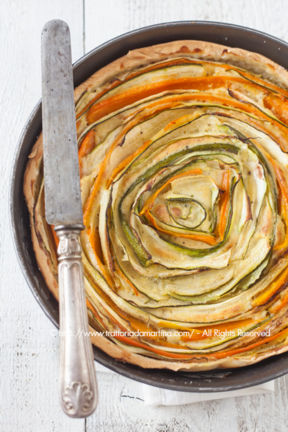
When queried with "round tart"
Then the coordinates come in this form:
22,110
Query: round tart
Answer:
184,179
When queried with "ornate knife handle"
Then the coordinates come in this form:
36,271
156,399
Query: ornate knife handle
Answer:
77,371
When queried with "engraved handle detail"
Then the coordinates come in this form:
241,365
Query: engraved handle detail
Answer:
77,371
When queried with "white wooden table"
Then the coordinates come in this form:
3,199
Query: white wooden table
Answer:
29,342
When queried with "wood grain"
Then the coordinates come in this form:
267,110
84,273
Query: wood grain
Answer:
29,342
121,408
109,18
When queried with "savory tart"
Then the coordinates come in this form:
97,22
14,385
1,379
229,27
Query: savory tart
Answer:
184,179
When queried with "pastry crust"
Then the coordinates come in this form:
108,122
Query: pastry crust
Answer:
119,68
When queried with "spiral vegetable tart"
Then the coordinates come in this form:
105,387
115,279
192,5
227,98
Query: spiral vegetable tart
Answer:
183,164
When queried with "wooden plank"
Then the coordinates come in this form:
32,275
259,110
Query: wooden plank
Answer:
29,342
110,18
123,409
120,406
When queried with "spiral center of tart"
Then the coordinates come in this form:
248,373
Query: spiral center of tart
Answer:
186,212
191,201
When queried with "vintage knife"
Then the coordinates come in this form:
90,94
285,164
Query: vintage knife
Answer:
63,209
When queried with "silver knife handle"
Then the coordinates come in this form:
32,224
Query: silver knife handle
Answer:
77,371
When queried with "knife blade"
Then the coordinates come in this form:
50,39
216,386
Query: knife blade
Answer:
63,209
61,168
